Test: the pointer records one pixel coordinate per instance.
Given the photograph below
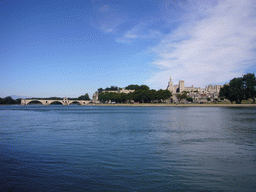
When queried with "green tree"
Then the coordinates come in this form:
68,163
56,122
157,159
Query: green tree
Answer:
112,88
84,97
163,94
137,87
142,94
189,99
113,97
137,96
1,100
129,96
225,93
8,100
144,87
249,85
181,96
123,97
240,88
234,91
18,101
103,97
166,94
100,90
132,87
154,95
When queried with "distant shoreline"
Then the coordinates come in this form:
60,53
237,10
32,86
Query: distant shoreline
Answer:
158,105
175,105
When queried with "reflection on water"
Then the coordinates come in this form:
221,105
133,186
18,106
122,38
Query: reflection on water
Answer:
78,148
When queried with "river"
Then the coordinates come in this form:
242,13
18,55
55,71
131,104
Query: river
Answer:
102,148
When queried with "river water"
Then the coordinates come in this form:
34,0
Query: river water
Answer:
98,148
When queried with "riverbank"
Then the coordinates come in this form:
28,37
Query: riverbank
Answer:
160,105
176,105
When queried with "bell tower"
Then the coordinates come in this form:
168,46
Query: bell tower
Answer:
181,86
170,85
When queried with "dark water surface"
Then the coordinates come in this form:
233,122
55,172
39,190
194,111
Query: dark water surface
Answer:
93,148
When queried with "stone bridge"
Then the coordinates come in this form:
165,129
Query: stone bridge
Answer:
65,101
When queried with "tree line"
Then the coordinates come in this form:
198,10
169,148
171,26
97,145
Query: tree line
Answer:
82,97
9,101
239,89
141,94
112,88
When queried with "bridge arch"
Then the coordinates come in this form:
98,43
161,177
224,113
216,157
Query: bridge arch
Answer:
56,101
34,100
74,102
65,101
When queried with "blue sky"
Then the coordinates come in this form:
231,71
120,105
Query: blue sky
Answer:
70,47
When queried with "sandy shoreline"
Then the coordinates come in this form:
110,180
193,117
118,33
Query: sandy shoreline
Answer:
178,105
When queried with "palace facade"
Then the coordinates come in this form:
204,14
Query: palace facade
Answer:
198,94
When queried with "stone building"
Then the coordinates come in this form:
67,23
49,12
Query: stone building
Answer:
121,90
198,94
95,98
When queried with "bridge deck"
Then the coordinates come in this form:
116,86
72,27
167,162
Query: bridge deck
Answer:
65,101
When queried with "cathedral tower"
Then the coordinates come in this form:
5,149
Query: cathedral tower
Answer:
170,85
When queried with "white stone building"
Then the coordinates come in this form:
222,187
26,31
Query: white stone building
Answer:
198,94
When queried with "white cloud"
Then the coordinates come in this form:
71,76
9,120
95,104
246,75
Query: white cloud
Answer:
216,46
108,18
140,31
130,35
